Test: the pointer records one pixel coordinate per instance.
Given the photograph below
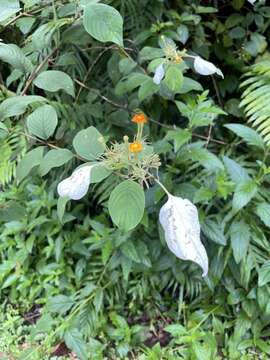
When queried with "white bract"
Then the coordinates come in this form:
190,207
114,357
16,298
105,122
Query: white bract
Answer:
251,1
204,67
76,186
159,74
179,219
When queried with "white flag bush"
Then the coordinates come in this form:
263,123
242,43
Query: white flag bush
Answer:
179,219
159,74
204,67
76,186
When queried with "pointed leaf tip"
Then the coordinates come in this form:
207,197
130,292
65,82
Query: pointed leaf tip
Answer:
179,219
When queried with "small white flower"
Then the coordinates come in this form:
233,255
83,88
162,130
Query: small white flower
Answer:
76,186
179,219
159,74
204,67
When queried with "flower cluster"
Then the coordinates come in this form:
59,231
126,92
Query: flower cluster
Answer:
172,55
134,160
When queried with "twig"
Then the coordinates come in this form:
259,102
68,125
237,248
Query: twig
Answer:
162,186
101,96
39,141
47,144
10,22
208,139
217,92
91,68
125,107
36,71
173,127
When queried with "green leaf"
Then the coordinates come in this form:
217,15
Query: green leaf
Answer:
179,137
264,273
249,135
126,65
43,325
87,143
240,237
183,33
11,279
99,173
237,172
54,158
263,211
104,23
126,205
14,56
173,78
213,231
244,192
12,211
129,250
256,45
54,80
98,300
176,330
60,304
61,206
16,105
3,131
148,88
74,341
203,195
8,8
204,157
42,122
189,85
149,53
28,162
131,82
126,265
25,24
43,35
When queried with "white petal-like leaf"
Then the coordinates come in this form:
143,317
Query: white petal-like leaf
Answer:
204,67
159,74
76,186
179,219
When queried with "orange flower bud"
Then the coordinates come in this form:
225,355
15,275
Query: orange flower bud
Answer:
135,147
177,59
139,118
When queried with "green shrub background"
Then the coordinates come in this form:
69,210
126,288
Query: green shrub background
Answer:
110,294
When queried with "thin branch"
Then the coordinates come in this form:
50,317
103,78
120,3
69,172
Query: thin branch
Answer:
101,96
208,139
10,22
173,127
39,140
91,68
162,186
36,71
220,102
47,144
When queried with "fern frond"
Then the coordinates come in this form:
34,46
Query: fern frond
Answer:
255,98
12,149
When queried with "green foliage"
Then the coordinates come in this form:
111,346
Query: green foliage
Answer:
79,107
254,97
42,122
104,23
126,205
